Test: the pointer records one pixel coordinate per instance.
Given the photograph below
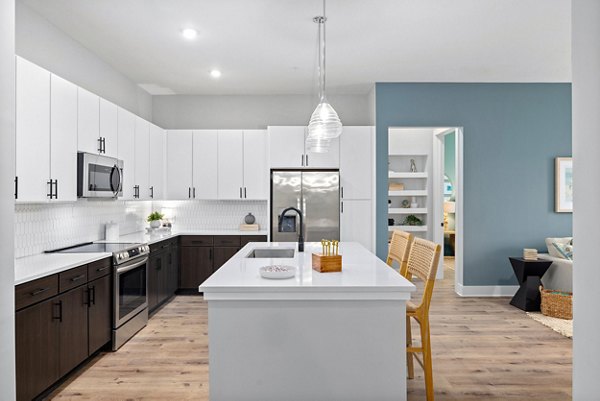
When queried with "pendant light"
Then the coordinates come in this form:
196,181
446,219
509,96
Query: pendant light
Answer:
324,124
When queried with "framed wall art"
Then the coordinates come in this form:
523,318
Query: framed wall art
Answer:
563,190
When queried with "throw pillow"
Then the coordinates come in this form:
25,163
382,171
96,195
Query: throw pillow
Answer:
565,250
552,249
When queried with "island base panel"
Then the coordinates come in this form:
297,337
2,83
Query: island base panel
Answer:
307,350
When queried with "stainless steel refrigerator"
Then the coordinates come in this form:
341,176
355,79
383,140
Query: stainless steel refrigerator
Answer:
316,193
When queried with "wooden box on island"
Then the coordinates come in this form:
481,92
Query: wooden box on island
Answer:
326,263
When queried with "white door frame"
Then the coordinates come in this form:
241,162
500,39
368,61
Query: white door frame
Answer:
438,200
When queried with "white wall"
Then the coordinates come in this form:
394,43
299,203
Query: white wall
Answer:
372,104
44,44
7,175
250,111
586,165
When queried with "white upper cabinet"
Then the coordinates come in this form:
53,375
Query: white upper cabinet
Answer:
356,162
231,164
63,139
179,164
33,132
287,150
205,177
356,217
88,122
286,147
108,128
157,167
142,158
255,169
126,144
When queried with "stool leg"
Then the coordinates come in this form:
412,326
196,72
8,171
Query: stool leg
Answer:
427,365
410,363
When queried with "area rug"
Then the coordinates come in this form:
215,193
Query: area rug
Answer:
561,326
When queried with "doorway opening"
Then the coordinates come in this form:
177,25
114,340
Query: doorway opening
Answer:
425,190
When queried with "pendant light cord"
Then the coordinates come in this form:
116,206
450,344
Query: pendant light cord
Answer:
322,72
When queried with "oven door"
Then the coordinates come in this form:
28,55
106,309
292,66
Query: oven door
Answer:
99,176
131,291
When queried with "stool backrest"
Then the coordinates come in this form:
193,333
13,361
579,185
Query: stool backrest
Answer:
400,249
423,262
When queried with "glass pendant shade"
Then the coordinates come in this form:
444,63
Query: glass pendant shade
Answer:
324,122
317,145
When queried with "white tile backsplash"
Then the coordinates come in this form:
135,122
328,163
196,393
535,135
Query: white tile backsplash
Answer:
212,215
39,227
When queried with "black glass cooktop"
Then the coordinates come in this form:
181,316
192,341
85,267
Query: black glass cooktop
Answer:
92,247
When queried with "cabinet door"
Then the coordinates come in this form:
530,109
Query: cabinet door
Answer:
196,265
155,265
205,164
126,138
173,263
142,157
330,159
356,162
356,222
179,164
222,255
99,314
164,275
73,346
33,132
231,164
37,348
157,162
255,164
63,138
286,147
109,127
88,121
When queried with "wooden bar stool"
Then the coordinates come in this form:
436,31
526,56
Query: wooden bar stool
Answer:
422,263
399,250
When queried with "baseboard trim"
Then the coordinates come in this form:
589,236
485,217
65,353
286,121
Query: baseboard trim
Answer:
486,290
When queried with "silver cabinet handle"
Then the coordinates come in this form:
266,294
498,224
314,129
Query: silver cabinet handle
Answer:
306,160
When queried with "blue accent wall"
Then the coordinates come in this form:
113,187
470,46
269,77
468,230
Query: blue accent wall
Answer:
512,133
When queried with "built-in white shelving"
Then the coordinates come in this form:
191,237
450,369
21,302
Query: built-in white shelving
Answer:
393,174
407,210
408,192
408,228
409,170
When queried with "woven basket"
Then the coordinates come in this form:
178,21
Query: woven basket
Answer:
557,304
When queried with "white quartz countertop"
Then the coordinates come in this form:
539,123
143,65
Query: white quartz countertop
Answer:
157,236
33,267
363,277
37,266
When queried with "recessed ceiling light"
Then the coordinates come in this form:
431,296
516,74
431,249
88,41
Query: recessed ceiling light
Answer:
215,73
189,33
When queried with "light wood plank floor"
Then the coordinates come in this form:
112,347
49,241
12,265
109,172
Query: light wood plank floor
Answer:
483,348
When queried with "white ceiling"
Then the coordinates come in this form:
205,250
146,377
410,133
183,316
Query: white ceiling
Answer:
270,46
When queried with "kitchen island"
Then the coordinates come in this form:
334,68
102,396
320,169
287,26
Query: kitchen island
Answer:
316,336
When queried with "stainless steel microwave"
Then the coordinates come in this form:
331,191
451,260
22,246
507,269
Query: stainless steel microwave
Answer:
99,176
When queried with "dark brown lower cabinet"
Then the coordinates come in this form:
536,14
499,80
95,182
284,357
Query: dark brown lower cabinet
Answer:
99,313
196,265
37,348
73,318
56,334
222,255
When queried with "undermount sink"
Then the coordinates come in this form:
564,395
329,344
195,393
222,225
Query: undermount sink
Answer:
271,253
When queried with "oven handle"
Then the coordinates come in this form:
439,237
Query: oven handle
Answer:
126,268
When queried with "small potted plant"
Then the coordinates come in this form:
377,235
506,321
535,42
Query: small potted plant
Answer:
154,219
412,220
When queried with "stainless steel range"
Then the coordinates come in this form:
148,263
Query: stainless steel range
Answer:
130,288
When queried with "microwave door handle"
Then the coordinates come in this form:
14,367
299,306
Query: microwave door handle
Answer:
119,183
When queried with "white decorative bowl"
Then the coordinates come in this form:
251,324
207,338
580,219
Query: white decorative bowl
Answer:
277,271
